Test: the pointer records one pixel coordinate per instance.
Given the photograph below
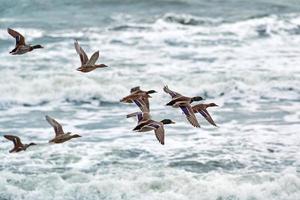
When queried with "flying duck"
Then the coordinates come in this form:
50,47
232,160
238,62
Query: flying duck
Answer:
139,97
21,47
87,64
145,124
184,103
60,135
18,146
202,109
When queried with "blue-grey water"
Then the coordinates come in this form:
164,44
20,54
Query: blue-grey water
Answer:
242,55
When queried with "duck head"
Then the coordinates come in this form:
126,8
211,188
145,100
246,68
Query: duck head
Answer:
102,65
167,121
37,47
197,98
212,105
76,136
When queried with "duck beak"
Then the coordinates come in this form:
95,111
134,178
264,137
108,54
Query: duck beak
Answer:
173,123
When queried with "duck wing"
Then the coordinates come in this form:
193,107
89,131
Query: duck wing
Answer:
93,58
160,134
141,104
207,116
146,101
172,93
140,116
137,88
133,95
57,127
15,139
158,130
83,57
187,110
20,40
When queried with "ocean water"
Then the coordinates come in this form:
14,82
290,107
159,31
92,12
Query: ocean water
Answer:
242,55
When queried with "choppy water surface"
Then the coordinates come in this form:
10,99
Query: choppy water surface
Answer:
241,55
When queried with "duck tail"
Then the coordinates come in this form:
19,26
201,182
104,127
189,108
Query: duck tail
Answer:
171,103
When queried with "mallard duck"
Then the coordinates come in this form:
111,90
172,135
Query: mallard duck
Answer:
178,98
87,65
202,109
145,124
184,103
60,135
139,97
21,47
18,146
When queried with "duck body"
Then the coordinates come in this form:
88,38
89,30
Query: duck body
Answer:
87,65
139,97
21,47
145,124
90,68
60,135
178,99
156,126
183,99
176,102
63,138
18,145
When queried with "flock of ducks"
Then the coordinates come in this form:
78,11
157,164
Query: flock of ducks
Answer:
140,97
60,137
145,123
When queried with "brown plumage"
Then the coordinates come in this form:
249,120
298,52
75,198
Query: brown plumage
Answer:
179,98
190,116
202,109
60,135
21,47
184,103
139,97
18,146
87,65
145,124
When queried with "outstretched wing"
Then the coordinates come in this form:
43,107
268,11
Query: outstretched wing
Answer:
187,110
141,104
160,134
158,130
207,116
20,40
137,88
146,101
57,127
172,93
15,139
83,57
93,58
139,116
